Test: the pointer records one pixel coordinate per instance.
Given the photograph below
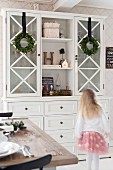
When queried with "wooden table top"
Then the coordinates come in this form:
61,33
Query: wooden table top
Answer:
40,144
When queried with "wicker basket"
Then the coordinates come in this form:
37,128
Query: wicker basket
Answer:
51,30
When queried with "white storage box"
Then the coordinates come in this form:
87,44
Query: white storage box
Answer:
51,30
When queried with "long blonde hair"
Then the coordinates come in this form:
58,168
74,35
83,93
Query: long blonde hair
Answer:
89,108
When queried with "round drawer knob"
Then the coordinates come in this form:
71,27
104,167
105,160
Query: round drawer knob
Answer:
61,107
61,136
26,108
61,122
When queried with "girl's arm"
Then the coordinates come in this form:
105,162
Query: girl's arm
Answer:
79,127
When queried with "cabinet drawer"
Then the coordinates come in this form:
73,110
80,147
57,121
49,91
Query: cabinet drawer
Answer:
70,147
37,120
105,105
62,136
23,109
60,122
60,107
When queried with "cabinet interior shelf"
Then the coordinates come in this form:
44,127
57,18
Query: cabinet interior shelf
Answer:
56,39
23,67
47,67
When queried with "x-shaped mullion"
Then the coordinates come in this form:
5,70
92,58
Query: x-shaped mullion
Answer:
23,55
89,79
23,80
21,28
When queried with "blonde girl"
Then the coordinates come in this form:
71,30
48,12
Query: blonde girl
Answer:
90,125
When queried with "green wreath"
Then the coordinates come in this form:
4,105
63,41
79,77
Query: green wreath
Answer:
93,45
30,41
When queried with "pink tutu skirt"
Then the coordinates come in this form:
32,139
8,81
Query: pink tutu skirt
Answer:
93,142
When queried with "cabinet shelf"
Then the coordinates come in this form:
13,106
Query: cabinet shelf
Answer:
56,39
54,67
23,67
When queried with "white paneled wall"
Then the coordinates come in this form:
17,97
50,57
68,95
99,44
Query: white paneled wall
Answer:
1,63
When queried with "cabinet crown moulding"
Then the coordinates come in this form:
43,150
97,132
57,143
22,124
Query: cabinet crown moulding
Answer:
32,1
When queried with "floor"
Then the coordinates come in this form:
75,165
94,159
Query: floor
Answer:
105,164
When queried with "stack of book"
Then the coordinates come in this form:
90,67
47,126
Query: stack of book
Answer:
47,85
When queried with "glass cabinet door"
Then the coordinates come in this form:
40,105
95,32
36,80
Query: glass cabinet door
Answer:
89,68
24,76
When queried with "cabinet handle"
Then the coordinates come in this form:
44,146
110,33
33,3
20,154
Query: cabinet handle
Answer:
61,122
38,54
61,136
61,107
76,57
26,108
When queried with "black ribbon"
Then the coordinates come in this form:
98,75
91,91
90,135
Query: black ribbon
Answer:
24,24
89,28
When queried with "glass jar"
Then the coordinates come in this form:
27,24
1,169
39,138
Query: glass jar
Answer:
58,84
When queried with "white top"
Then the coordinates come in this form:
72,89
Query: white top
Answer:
99,124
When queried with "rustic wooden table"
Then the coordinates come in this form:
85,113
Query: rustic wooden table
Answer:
40,144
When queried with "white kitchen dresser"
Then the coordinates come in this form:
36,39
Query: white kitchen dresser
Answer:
55,117
23,72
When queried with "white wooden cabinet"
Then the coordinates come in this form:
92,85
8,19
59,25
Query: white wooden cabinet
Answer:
26,108
63,136
31,110
22,73
21,70
60,107
38,120
60,122
89,70
105,105
55,45
60,119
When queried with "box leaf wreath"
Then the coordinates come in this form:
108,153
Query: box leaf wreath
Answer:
30,42
89,46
